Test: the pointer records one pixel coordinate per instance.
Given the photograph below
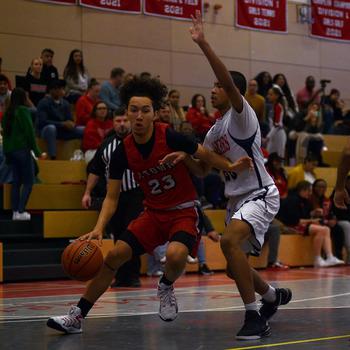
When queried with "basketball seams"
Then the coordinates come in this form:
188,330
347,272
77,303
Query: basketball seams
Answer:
73,256
86,262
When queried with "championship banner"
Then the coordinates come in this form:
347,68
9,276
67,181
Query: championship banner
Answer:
330,19
62,2
126,6
266,15
177,9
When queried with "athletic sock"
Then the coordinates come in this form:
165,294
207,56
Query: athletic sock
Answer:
165,281
270,295
252,306
85,306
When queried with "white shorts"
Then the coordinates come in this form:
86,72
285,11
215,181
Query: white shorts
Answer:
257,209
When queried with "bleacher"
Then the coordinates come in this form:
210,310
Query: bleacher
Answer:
32,250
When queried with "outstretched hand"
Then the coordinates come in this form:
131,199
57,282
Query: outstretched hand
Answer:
173,158
244,163
197,31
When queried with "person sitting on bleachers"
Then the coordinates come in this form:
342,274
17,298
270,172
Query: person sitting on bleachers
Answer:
76,76
340,231
34,84
5,93
55,119
96,130
177,114
274,167
110,89
164,113
85,104
296,213
49,71
303,172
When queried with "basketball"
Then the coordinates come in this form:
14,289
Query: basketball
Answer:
82,260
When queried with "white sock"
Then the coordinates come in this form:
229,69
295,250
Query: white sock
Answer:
270,295
251,306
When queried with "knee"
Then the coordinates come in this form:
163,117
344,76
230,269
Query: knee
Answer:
49,131
176,255
229,243
120,254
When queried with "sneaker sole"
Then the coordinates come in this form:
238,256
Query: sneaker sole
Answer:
264,334
167,319
54,325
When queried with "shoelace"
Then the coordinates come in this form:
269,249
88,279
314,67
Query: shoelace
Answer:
167,297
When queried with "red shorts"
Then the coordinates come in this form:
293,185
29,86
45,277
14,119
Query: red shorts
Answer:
156,227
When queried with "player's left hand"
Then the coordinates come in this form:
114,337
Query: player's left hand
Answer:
244,163
197,32
174,158
214,236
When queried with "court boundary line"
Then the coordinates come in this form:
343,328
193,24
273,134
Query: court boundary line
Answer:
311,340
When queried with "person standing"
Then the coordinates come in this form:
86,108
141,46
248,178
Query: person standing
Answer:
253,196
18,142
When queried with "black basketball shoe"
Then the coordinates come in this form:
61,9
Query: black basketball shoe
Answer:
255,327
283,297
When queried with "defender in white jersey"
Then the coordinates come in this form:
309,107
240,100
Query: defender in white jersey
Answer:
253,197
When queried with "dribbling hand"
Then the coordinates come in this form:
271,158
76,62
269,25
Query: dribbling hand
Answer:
94,234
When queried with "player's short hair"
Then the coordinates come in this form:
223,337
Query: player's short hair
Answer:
240,81
151,88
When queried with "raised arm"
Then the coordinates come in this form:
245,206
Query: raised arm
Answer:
217,65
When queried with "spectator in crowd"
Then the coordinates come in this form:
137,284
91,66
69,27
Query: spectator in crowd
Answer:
264,80
96,130
340,231
303,172
49,71
333,111
34,83
76,76
55,119
164,113
9,82
110,89
276,138
308,94
256,101
274,167
199,117
18,142
296,212
5,93
130,200
177,112
289,101
86,103
343,127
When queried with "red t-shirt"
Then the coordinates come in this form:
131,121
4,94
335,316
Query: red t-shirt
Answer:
83,109
281,183
199,121
94,133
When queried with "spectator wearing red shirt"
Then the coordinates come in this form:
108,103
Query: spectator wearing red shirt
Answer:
85,104
199,117
274,167
96,129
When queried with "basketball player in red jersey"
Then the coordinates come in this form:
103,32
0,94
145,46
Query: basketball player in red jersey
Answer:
170,198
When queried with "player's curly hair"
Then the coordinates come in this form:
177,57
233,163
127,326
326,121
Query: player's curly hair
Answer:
150,87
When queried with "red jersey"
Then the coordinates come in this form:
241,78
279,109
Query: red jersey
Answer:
165,186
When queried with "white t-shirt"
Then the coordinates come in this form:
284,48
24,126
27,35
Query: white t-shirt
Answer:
236,135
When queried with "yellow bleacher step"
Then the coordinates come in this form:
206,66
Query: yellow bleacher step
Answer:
50,197
65,148
58,171
62,224
335,142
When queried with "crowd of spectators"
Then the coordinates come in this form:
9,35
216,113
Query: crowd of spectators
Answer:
77,106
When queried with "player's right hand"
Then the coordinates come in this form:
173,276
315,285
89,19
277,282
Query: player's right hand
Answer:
173,158
94,234
86,201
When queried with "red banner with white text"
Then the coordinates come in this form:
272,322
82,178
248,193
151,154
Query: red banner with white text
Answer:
177,9
127,6
331,19
62,2
266,15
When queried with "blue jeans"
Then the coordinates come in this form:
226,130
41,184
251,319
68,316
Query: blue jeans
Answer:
201,253
50,133
5,169
23,176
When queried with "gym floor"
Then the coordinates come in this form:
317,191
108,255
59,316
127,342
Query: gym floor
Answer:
210,315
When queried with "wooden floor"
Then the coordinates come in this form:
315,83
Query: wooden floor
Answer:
210,314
